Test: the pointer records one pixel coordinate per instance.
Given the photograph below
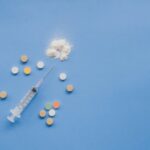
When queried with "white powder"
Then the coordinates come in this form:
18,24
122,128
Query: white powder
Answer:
59,49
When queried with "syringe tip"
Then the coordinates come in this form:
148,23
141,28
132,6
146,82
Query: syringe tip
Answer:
11,118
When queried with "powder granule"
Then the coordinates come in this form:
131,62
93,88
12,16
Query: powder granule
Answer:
59,49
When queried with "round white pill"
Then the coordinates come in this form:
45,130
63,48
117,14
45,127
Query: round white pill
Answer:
63,76
40,64
14,70
52,113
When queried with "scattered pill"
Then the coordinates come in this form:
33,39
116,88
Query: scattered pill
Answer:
49,121
27,70
70,88
56,104
40,65
63,76
3,95
24,58
42,113
14,70
48,106
52,112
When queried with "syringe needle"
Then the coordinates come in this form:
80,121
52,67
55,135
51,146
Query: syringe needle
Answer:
38,84
48,72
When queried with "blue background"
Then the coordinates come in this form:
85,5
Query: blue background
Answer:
109,67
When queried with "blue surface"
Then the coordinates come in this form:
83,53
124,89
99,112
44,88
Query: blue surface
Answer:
109,67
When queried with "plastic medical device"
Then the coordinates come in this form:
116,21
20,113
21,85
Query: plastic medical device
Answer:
17,111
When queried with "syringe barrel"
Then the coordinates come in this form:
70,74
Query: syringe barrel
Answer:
27,98
17,111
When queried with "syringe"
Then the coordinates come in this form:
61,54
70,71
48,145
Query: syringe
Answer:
17,111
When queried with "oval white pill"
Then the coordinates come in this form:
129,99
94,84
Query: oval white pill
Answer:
52,113
14,70
40,64
63,76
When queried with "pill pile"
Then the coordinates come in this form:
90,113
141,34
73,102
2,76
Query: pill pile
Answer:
49,112
59,49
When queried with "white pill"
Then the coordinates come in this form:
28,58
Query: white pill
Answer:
15,70
40,64
52,113
63,76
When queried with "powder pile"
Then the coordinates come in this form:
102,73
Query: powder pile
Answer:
59,49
